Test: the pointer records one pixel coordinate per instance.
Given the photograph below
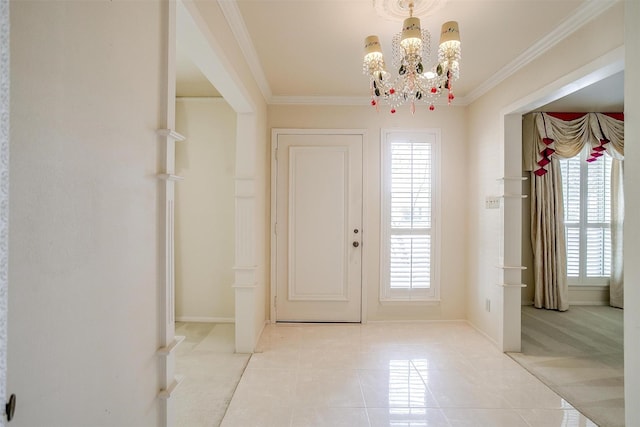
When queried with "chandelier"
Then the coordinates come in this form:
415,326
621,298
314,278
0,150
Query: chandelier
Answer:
411,49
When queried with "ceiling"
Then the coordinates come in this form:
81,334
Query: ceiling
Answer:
312,49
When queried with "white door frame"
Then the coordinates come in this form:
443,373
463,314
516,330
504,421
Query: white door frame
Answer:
274,142
4,195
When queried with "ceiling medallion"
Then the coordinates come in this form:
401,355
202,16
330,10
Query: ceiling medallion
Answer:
397,10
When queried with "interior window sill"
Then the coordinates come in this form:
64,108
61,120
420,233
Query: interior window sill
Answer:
588,286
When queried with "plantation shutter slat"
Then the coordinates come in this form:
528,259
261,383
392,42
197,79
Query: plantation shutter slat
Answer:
571,189
410,185
572,235
599,191
410,215
587,214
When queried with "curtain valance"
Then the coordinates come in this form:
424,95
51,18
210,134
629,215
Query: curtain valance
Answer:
564,135
548,137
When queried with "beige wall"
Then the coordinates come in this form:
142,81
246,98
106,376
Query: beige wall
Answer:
632,222
84,285
205,210
452,122
592,41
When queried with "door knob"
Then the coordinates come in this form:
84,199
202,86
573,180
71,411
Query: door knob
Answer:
10,407
356,244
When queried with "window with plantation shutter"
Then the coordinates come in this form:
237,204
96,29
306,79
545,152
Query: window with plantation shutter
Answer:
586,189
408,231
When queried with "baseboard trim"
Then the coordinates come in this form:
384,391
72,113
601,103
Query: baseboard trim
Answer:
594,303
483,333
197,319
583,303
414,321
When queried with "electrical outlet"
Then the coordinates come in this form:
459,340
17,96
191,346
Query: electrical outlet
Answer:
487,304
492,202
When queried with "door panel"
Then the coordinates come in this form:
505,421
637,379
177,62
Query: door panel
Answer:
318,209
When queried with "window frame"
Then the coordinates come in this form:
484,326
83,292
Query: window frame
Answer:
387,294
583,225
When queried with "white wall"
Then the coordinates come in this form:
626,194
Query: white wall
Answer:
452,122
632,222
86,83
205,210
486,132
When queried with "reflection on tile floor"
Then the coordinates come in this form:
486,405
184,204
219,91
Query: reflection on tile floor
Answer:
400,374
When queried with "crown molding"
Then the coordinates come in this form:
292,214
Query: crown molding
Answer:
320,100
585,13
236,23
358,101
600,68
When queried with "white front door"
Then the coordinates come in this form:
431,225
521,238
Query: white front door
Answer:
318,216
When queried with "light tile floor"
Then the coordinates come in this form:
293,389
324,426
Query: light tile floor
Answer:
401,374
211,373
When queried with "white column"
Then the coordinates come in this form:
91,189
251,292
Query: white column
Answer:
511,246
246,282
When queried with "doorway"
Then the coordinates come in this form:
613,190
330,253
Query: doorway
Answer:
510,321
512,317
232,243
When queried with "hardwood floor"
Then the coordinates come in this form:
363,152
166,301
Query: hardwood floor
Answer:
578,354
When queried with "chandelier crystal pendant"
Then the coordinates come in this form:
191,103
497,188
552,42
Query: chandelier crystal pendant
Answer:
411,50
